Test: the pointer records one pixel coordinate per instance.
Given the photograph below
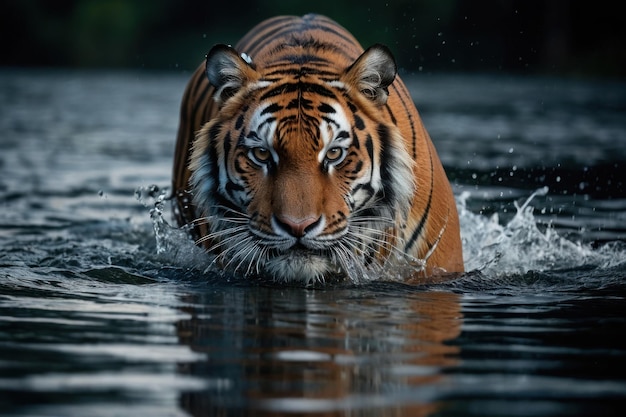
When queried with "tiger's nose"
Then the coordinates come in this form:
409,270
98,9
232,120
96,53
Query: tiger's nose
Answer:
297,227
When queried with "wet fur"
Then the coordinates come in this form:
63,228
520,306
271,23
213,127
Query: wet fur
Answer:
308,90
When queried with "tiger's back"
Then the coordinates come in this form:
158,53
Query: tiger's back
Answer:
311,61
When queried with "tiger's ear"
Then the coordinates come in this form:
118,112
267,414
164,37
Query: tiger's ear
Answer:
228,71
373,72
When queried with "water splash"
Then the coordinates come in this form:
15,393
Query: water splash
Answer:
153,197
172,244
495,250
521,245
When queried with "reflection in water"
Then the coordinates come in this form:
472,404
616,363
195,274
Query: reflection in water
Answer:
96,321
303,351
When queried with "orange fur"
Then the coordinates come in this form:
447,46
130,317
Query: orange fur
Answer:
315,59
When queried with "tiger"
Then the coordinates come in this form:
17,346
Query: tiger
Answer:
301,157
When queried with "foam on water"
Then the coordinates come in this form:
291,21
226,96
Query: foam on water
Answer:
172,244
524,244
491,248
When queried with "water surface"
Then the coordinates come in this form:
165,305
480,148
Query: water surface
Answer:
99,317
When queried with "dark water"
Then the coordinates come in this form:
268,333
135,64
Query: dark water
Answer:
99,318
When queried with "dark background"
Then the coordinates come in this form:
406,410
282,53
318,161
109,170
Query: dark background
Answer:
568,38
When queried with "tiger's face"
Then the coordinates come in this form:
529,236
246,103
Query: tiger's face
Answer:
298,175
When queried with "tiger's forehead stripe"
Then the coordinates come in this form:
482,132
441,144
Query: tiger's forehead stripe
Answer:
300,87
330,124
263,126
334,120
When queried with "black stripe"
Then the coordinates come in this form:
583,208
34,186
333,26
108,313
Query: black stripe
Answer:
301,59
355,140
358,122
299,86
317,89
212,157
386,164
316,47
326,108
339,218
214,131
332,122
239,121
368,189
422,222
391,116
260,28
332,28
293,104
297,27
233,188
197,119
242,138
276,91
197,81
227,146
266,121
408,113
263,38
369,146
272,108
283,71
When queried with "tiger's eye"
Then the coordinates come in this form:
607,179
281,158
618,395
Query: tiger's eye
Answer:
334,154
260,154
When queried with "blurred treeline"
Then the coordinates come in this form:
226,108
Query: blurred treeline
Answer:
550,36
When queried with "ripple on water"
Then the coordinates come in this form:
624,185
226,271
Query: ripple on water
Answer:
106,310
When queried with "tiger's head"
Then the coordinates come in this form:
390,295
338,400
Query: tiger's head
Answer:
300,176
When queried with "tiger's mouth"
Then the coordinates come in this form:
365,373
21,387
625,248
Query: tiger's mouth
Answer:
300,261
301,264
304,260
300,248
299,251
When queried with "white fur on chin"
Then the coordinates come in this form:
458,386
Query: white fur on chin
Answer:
298,267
